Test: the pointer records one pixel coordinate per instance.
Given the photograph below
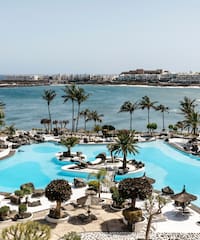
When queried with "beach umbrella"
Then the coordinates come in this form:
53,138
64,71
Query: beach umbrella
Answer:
183,198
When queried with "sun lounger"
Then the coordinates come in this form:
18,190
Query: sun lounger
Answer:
70,166
96,161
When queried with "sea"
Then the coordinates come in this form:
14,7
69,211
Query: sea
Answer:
25,106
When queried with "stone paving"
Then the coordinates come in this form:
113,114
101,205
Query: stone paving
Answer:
108,226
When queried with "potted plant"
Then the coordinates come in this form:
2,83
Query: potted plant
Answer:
60,191
117,200
133,188
22,213
4,213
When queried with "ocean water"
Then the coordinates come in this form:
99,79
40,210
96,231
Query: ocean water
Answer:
25,106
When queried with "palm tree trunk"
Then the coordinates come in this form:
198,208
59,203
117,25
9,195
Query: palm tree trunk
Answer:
50,117
72,116
163,121
124,162
131,118
85,123
77,120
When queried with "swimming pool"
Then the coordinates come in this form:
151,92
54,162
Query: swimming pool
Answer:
37,163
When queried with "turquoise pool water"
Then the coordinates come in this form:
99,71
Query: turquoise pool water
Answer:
37,163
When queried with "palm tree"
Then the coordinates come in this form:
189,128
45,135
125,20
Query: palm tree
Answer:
69,143
46,123
49,95
180,125
10,130
187,105
55,122
125,143
146,103
163,109
2,114
95,117
100,177
112,148
65,122
81,96
85,113
193,120
70,94
129,107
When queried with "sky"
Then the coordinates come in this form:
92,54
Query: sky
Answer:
98,36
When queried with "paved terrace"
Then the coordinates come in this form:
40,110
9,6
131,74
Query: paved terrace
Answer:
172,224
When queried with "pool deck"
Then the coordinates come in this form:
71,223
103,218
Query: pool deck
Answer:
110,222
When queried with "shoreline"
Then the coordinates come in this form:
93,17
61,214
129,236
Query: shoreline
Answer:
15,84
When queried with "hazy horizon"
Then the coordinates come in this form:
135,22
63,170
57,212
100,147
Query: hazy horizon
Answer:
98,36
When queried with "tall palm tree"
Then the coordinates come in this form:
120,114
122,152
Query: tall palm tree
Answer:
163,109
95,117
70,94
81,96
125,144
129,107
146,103
86,114
2,114
187,105
193,120
49,95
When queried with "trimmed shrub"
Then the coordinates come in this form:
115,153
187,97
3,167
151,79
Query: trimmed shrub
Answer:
117,199
71,236
19,193
94,185
22,208
4,211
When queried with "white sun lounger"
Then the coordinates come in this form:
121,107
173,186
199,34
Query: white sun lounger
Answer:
96,161
67,167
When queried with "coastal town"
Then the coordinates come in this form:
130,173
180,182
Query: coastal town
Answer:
157,77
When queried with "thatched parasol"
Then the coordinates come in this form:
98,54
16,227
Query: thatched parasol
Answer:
183,198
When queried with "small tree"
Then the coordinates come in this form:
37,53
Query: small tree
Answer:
151,127
133,188
60,191
69,143
117,199
152,210
29,230
100,177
